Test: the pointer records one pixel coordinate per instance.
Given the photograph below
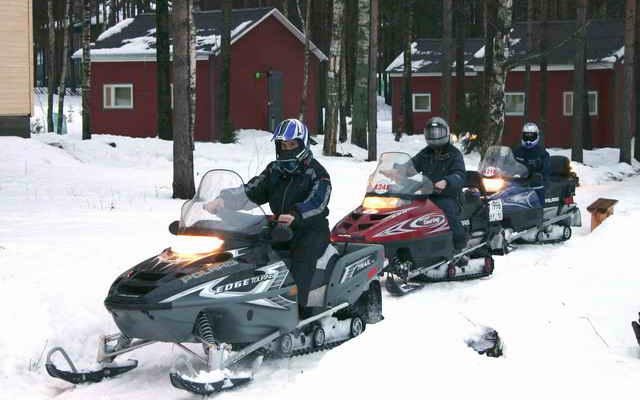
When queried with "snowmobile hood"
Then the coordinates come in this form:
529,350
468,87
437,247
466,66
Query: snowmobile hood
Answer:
157,282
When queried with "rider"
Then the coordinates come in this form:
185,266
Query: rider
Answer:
443,164
533,155
297,189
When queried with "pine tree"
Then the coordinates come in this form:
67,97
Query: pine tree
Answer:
51,60
86,69
407,98
373,81
163,70
65,56
447,48
460,21
544,74
333,80
529,46
225,77
636,74
183,182
360,93
627,120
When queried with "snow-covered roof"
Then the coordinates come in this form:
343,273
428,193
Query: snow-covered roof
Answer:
605,46
134,38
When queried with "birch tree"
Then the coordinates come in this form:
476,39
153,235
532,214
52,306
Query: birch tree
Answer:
333,80
447,22
529,46
183,182
373,82
627,120
499,14
544,74
51,62
86,69
65,56
163,70
305,76
360,93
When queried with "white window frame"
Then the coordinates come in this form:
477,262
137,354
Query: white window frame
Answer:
570,113
514,114
413,101
112,87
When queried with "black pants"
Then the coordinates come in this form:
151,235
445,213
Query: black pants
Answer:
451,210
306,248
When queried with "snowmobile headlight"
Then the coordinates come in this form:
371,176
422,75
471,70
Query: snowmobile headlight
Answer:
381,203
186,245
492,185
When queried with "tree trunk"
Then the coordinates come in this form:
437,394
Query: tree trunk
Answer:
343,85
305,75
285,8
51,59
86,69
373,83
627,101
636,74
447,22
63,72
192,72
333,80
407,98
113,11
578,83
460,22
163,70
530,47
183,182
225,75
360,92
544,75
496,77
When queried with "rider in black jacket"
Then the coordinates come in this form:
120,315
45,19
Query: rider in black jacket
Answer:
297,189
534,156
443,164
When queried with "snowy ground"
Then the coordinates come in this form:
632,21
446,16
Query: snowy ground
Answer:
74,217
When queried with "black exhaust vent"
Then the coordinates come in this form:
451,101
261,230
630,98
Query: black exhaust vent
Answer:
149,276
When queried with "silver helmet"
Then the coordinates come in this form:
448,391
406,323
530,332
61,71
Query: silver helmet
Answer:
437,132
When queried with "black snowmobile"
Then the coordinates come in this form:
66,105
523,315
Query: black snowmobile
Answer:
223,285
515,200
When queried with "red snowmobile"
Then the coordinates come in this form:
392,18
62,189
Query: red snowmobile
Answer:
397,213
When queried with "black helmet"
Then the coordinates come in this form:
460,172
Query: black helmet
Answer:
437,132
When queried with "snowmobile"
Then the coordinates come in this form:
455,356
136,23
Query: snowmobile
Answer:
515,200
468,143
636,328
224,285
397,213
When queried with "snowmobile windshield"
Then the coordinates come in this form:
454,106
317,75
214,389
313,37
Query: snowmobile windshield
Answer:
499,162
221,206
395,176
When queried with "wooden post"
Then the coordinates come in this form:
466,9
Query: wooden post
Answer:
600,210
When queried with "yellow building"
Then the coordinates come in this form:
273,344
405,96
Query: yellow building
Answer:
16,67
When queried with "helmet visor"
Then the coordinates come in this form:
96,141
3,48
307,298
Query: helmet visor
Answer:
529,137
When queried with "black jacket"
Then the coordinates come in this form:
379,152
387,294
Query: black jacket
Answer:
304,194
535,159
443,163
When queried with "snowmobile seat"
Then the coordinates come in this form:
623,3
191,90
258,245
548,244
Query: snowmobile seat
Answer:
560,167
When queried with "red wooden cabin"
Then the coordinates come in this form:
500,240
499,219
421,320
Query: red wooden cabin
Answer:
267,63
604,59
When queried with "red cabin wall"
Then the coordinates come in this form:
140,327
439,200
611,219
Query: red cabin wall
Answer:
268,46
141,120
558,126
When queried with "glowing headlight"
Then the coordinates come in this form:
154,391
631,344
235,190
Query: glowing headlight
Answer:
493,185
380,203
190,245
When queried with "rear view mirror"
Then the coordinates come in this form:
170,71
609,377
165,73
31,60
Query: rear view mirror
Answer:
173,227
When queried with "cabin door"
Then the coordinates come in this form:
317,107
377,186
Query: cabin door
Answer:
274,104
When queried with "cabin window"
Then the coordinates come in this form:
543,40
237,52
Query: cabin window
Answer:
422,102
567,103
118,96
514,103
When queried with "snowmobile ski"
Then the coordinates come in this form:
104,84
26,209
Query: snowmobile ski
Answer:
107,370
636,329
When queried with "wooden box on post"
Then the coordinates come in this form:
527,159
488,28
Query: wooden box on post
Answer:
600,210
